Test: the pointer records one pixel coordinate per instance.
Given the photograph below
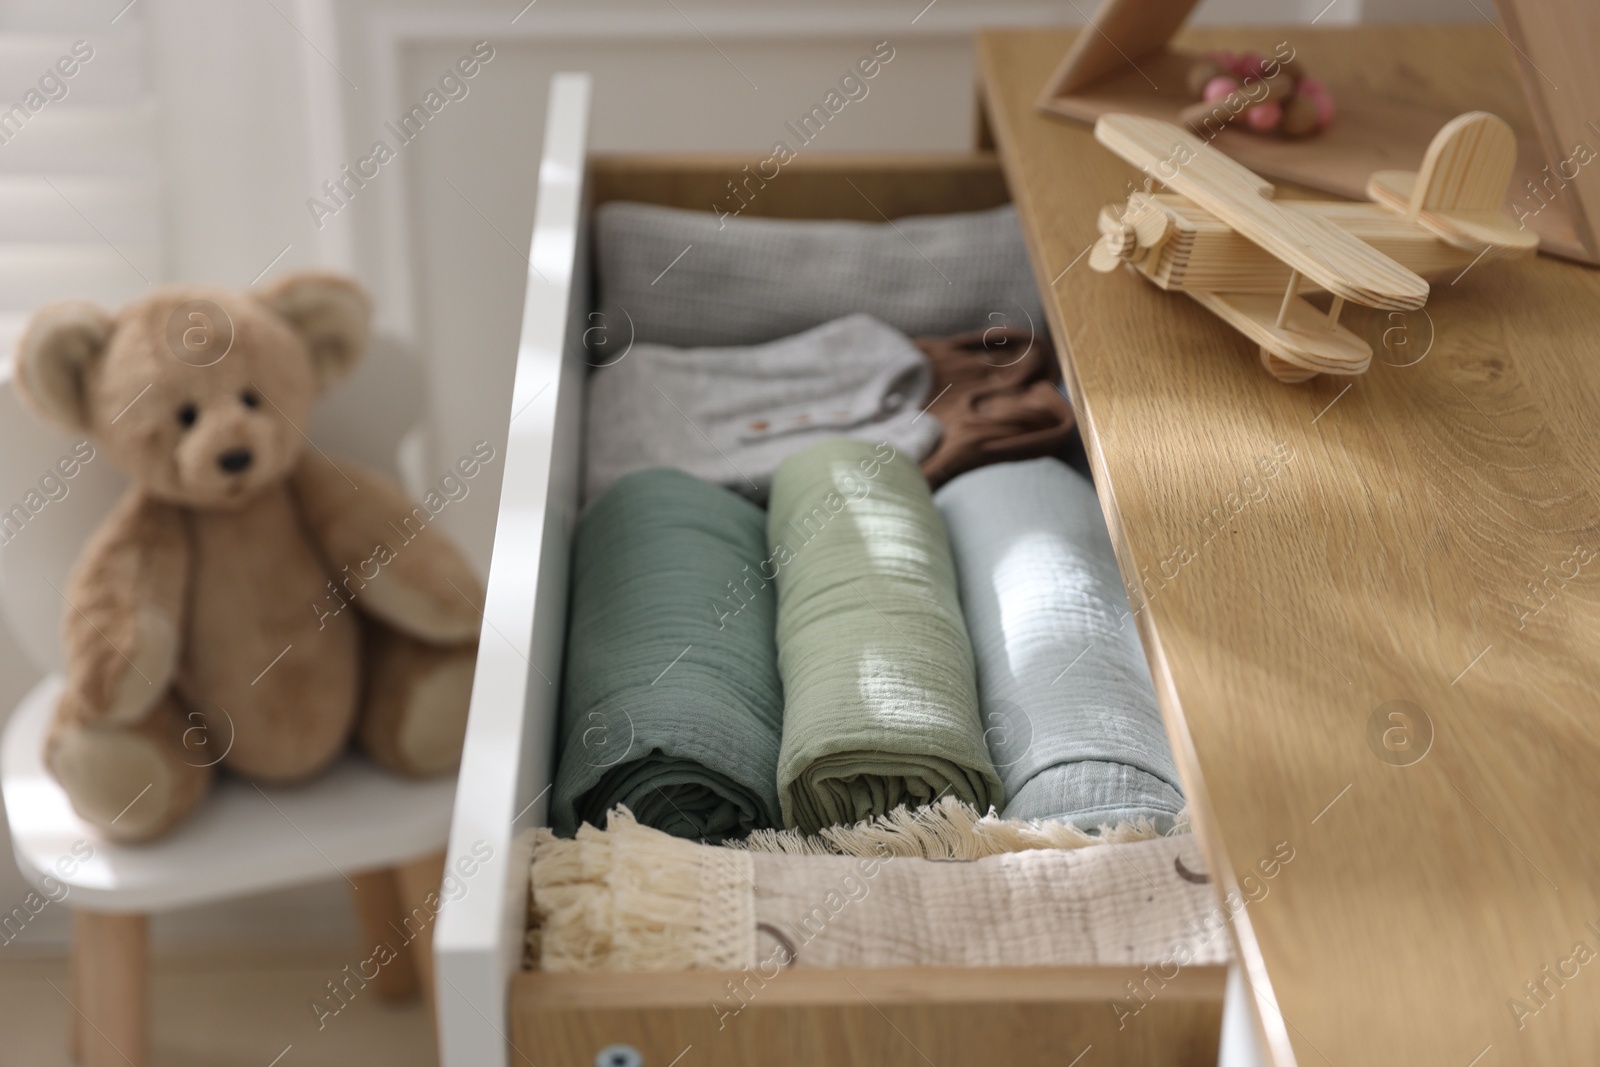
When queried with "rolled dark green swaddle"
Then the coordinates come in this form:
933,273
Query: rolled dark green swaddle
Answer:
880,693
671,700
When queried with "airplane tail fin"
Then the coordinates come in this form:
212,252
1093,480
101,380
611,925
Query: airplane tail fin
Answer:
1467,166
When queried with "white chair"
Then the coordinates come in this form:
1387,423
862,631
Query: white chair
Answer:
382,834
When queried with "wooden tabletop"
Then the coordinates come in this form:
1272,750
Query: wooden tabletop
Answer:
1304,557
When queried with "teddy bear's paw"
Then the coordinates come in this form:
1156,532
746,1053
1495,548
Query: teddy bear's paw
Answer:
434,723
128,783
416,714
147,669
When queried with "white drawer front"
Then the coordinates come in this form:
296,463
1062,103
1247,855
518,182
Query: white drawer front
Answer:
505,766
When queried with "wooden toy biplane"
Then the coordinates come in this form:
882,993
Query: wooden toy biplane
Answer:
1218,235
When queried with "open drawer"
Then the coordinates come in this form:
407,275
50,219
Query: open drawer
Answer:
492,1013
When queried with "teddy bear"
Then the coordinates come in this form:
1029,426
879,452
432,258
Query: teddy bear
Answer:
199,632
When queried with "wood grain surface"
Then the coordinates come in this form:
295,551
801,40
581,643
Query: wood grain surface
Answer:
1458,192
1302,558
1205,253
110,977
1555,46
1334,260
863,187
1385,122
891,1017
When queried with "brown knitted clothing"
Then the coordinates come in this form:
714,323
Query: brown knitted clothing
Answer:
996,395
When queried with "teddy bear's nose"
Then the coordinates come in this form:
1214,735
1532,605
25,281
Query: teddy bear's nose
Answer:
234,460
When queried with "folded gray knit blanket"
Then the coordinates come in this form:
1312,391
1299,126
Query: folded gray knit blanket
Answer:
1068,707
730,415
677,277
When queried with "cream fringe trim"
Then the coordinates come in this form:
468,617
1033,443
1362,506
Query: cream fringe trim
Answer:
632,898
946,830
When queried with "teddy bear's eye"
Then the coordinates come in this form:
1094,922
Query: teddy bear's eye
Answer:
187,414
249,399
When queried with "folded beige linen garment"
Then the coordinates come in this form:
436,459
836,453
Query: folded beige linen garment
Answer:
633,898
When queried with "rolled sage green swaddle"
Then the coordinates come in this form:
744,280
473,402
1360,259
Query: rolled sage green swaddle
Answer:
1071,714
671,701
880,697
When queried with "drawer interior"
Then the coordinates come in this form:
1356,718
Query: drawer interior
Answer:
803,1016
878,1017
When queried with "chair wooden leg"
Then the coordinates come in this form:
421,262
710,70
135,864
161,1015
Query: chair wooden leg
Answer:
75,1027
378,909
419,888
110,967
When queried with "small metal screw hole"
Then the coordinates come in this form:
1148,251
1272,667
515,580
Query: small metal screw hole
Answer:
619,1056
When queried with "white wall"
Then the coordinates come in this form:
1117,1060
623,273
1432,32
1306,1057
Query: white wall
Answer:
259,102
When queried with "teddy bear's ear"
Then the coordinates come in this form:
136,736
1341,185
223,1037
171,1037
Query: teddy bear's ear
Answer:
332,313
59,349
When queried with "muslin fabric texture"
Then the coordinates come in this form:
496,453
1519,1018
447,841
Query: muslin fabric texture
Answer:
731,414
632,899
1068,706
1112,905
946,829
668,706
676,277
880,698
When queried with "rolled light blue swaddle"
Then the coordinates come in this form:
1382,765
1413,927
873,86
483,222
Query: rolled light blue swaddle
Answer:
671,703
1068,706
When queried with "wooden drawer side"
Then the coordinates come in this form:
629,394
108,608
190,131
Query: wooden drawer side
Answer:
872,1018
868,188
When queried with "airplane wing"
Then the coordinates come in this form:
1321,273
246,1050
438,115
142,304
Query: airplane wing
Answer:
1343,265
